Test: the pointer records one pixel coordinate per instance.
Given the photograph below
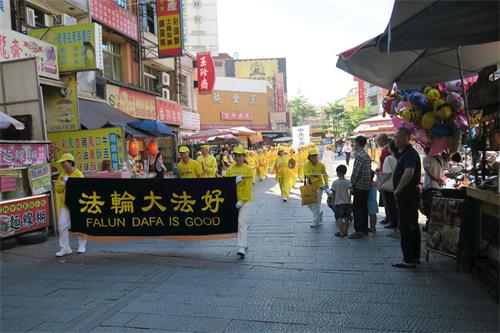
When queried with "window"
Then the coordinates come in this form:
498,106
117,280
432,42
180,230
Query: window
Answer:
372,100
184,90
197,4
197,32
197,19
122,3
198,48
150,79
149,18
112,61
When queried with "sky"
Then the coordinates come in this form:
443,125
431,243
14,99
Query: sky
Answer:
308,33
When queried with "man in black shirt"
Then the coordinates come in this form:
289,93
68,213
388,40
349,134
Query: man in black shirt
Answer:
406,181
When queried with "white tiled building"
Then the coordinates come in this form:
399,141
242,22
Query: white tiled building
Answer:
200,26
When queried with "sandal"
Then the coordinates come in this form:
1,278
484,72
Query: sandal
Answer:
403,265
338,234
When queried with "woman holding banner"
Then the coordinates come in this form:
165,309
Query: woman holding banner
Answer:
244,183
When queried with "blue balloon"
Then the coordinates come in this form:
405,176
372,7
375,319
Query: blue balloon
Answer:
420,101
440,131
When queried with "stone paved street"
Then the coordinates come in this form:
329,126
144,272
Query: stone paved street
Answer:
294,279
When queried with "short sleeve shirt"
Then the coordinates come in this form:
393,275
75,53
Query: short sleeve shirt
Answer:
435,164
341,189
409,158
191,169
243,188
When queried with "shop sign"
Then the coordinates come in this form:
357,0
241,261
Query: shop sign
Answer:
134,103
39,178
168,112
14,46
190,120
252,127
7,183
206,73
277,117
301,136
79,47
256,69
112,15
61,106
236,116
170,34
90,147
279,91
23,215
125,209
22,155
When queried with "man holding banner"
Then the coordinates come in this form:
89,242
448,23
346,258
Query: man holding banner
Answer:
188,168
208,163
244,183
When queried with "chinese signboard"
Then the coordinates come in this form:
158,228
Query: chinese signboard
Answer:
111,14
170,39
22,155
301,136
361,92
190,120
206,73
14,45
256,69
61,106
133,103
277,117
279,91
91,147
124,209
23,215
39,177
79,47
168,112
240,116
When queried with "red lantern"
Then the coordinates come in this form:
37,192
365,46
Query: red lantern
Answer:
153,147
133,148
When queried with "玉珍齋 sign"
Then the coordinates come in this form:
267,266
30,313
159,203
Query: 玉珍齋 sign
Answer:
121,209
170,39
79,47
23,215
206,73
61,106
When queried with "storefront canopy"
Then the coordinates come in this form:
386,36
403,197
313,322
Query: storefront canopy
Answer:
205,134
284,139
152,126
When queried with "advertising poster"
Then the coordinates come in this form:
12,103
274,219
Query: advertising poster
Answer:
22,155
19,216
206,73
127,209
170,36
90,147
61,106
39,178
168,112
301,136
444,228
79,47
14,45
134,103
112,15
256,69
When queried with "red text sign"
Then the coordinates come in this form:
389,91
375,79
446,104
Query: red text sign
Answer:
239,116
280,92
116,17
206,73
168,112
23,215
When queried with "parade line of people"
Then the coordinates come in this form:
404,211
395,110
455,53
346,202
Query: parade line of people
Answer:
397,179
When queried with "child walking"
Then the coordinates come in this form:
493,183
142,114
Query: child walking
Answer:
372,203
341,200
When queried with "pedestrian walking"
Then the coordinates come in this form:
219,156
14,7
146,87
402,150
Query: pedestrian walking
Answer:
433,181
69,170
387,187
283,173
315,174
361,184
372,204
406,183
187,167
159,166
383,141
244,183
347,149
341,201
208,163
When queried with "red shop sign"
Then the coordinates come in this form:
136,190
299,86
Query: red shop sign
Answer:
23,215
114,16
206,73
168,112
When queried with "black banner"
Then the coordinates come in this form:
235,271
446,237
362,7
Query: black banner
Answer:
121,209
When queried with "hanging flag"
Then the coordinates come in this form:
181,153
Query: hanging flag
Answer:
170,34
206,73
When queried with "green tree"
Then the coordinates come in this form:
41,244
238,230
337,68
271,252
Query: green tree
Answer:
351,119
301,108
334,113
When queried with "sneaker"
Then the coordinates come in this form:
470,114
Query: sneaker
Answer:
285,199
241,252
81,250
63,252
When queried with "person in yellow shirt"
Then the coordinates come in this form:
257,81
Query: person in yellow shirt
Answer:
244,176
293,171
208,163
64,222
300,163
253,162
262,162
315,174
283,173
187,167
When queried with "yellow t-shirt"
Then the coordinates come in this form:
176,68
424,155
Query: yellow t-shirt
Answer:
61,186
210,164
310,169
191,169
243,188
281,166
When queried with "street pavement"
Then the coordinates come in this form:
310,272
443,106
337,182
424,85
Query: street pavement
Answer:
294,279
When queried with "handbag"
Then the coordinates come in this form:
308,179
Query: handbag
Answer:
309,194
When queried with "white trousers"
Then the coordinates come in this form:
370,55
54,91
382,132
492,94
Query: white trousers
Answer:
243,225
63,225
316,209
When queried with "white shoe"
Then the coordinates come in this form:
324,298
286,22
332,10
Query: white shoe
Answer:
64,252
241,252
81,250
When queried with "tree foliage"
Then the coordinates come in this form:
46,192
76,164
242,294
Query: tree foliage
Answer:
342,122
301,108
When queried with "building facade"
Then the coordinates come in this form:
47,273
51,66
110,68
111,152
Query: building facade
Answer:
200,26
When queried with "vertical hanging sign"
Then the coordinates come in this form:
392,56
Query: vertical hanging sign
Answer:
170,34
206,73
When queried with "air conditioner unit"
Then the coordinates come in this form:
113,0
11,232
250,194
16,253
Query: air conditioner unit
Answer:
48,20
65,19
164,78
30,17
165,93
